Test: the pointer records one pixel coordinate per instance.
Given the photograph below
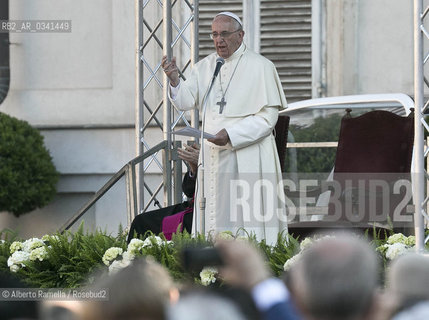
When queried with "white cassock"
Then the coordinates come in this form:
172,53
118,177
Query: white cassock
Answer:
243,181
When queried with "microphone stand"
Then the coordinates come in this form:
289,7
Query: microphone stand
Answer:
202,195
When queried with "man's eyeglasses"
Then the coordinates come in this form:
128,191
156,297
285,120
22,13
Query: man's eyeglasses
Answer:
223,34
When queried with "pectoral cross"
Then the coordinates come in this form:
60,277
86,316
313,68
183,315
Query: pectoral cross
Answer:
221,104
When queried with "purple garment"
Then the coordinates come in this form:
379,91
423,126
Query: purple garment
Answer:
171,223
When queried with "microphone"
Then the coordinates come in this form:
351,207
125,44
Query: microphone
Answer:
219,63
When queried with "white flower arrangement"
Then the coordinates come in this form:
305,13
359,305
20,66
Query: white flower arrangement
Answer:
306,243
397,238
135,246
17,259
411,241
118,265
48,238
39,253
242,238
150,241
14,268
30,250
395,250
32,244
225,235
111,254
115,258
128,256
290,262
16,246
208,275
396,245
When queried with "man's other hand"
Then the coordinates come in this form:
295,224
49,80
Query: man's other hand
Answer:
221,138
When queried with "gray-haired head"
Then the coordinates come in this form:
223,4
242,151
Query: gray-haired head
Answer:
204,305
138,291
408,279
336,278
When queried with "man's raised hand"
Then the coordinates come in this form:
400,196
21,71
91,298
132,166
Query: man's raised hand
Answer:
170,69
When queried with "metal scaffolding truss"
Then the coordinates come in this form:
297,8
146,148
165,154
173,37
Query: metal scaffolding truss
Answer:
420,175
160,22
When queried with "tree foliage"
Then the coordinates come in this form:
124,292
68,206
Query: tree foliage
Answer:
315,159
27,175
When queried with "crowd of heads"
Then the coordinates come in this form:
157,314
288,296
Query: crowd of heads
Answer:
338,277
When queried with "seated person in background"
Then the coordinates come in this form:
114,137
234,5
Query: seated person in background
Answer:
152,220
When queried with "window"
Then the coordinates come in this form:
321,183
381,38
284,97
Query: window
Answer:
285,39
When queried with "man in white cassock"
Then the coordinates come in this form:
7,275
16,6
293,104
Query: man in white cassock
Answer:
242,175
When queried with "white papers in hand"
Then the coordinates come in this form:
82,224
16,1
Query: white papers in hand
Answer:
192,132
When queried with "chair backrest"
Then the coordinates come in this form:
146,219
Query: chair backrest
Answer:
281,132
373,155
377,141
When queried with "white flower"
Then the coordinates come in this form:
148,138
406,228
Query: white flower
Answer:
32,244
291,261
38,254
14,268
397,238
208,275
225,235
111,254
395,250
47,238
135,246
128,256
15,246
242,238
118,265
383,248
17,259
411,241
149,241
306,243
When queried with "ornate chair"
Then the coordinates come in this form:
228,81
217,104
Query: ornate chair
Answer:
371,180
372,169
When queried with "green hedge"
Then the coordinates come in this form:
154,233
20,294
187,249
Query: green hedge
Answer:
27,174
